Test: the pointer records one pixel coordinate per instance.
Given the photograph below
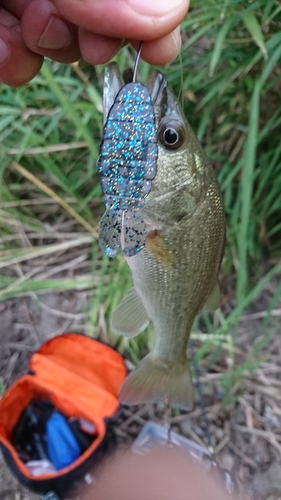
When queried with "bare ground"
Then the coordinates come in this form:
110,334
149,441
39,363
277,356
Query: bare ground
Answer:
245,426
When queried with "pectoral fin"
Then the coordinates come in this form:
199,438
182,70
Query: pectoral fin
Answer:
159,249
130,317
214,299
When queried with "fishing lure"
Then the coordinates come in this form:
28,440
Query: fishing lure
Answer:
127,165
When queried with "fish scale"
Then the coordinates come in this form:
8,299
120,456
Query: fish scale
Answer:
127,165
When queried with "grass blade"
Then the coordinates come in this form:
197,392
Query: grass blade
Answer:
254,28
249,158
219,44
46,189
69,108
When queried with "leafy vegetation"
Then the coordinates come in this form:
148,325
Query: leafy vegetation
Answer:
229,79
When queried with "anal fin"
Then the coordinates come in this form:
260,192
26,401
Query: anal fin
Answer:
130,317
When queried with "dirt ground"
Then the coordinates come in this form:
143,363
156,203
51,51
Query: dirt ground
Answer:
245,431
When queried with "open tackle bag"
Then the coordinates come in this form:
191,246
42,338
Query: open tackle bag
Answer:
59,414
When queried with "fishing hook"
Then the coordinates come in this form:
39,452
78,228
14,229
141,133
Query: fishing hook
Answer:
137,62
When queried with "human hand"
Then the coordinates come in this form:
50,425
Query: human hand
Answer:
160,474
65,30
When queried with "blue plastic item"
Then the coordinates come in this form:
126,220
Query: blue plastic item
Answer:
63,448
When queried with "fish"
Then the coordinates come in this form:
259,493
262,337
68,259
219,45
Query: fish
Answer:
176,260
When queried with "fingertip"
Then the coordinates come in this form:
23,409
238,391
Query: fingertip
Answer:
19,64
97,49
161,51
46,33
5,52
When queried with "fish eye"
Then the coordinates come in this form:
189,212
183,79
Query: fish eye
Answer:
171,134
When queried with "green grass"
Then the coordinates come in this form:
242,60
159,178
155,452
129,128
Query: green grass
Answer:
230,81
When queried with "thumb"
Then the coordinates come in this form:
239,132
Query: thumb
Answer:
128,19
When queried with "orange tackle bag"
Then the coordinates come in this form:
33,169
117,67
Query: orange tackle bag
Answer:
81,377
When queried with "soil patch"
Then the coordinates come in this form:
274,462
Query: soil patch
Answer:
243,414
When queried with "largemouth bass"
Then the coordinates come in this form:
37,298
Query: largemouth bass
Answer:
174,250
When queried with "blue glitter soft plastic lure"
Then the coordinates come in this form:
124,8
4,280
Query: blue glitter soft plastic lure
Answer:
127,163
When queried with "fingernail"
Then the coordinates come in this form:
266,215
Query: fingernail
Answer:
57,35
4,51
157,8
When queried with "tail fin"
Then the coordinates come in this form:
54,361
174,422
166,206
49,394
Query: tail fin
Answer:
154,381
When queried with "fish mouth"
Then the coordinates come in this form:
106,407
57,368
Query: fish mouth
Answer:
163,99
